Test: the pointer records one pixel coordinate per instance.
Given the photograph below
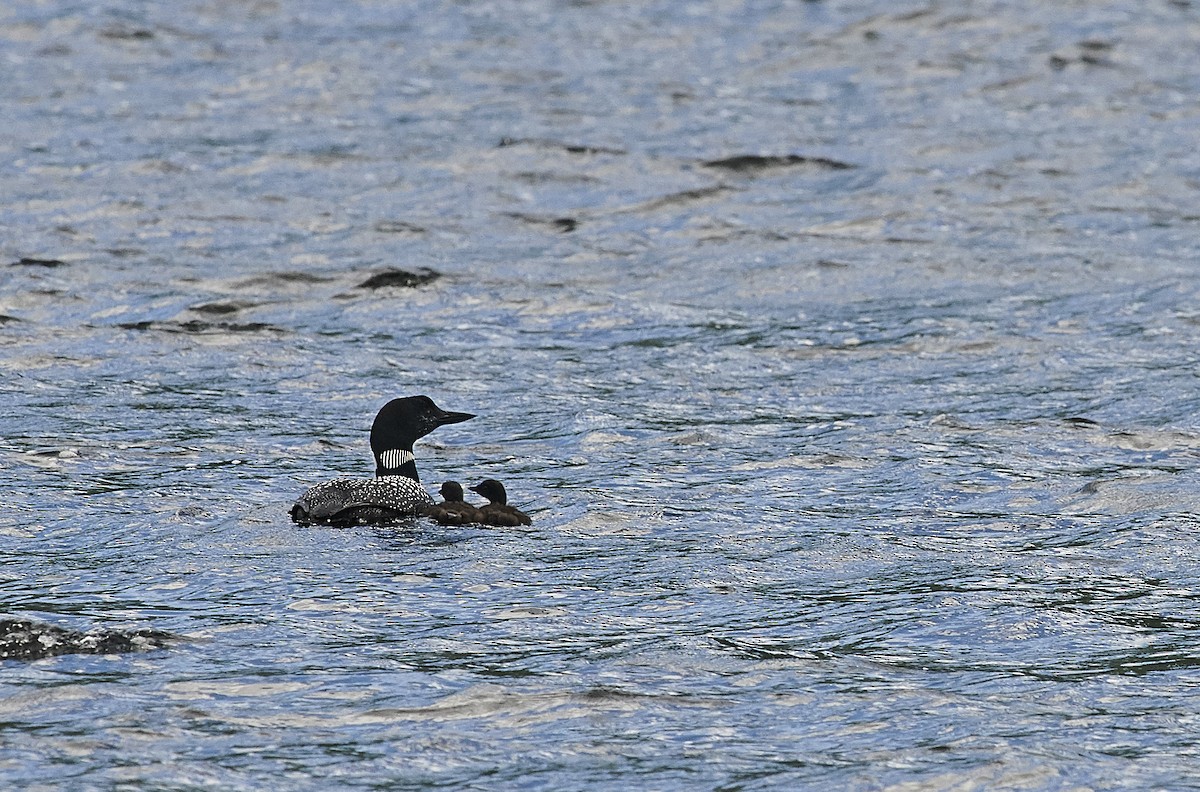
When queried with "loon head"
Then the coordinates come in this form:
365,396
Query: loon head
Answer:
492,490
451,491
401,423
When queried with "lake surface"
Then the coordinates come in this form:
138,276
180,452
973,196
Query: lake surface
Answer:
846,355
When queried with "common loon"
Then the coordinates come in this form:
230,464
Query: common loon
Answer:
23,639
453,510
497,511
396,491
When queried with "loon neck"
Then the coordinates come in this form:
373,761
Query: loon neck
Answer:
397,462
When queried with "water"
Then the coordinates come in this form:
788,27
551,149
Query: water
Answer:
868,477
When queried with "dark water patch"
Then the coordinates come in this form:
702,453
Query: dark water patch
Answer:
765,649
555,177
126,34
332,154
562,224
400,279
734,235
286,278
54,453
755,163
1089,52
570,148
5,319
23,639
33,261
222,308
1096,45
199,327
399,227
681,198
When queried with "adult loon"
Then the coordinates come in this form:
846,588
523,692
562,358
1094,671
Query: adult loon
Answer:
453,510
497,511
396,491
23,639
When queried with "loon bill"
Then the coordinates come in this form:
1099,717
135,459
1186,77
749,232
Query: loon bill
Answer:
395,492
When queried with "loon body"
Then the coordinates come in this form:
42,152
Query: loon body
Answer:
497,511
453,510
396,491
23,639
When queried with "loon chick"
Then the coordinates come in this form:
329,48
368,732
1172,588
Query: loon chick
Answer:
497,511
453,510
396,491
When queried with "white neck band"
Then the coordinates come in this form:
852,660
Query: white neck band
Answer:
395,457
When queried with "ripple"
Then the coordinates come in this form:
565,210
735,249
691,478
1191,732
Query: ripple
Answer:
859,430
